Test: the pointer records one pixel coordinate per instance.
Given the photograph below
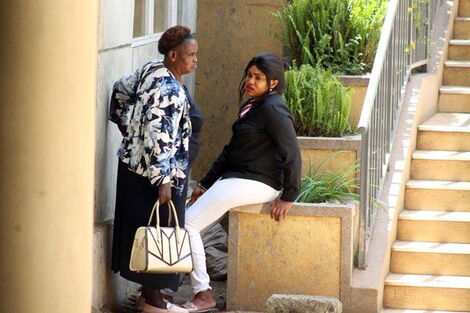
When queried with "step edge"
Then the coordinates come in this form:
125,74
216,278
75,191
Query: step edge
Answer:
439,155
465,248
454,89
444,129
413,215
447,281
388,310
457,63
459,42
426,285
438,185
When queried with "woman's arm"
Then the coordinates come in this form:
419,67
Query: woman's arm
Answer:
217,169
123,97
161,124
280,127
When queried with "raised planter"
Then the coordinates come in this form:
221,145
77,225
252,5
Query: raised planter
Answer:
315,149
359,84
310,253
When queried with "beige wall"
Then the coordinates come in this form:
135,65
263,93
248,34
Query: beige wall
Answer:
230,33
47,115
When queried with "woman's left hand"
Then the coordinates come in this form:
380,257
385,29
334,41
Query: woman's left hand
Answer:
279,209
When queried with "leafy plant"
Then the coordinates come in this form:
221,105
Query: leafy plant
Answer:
319,102
341,35
338,184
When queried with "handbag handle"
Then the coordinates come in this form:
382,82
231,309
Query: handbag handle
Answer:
172,210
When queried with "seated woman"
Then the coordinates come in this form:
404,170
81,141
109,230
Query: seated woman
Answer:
262,157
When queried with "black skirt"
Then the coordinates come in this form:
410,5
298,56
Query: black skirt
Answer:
135,197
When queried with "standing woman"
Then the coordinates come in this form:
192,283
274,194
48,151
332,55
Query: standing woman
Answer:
262,158
154,111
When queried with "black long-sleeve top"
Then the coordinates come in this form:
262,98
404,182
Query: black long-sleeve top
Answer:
263,147
195,114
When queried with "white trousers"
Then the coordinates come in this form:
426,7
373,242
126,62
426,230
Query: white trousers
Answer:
210,208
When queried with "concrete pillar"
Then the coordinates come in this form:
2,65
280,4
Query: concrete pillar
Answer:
47,138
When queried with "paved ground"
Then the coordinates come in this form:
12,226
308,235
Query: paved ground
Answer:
219,289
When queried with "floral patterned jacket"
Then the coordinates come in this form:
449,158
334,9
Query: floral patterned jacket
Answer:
154,107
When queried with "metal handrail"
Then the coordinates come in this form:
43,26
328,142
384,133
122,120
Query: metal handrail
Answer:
403,45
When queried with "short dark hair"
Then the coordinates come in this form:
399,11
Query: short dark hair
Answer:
271,66
173,37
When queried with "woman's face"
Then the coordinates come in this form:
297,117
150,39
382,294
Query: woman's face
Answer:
256,83
186,57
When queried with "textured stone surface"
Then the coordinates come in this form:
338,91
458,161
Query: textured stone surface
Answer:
300,255
243,30
280,303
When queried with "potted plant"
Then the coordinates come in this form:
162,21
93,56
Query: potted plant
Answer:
320,105
339,35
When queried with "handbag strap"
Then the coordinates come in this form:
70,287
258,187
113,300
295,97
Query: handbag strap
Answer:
172,211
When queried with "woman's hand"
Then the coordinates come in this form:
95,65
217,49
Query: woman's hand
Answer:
123,130
279,209
197,192
164,193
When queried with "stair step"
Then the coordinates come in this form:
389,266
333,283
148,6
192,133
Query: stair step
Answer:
440,165
462,28
445,131
457,64
456,73
438,185
459,49
430,281
416,311
434,226
437,195
441,155
464,8
454,99
427,292
411,257
449,122
435,216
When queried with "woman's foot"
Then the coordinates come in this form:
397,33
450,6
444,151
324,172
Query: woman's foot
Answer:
169,308
152,301
203,301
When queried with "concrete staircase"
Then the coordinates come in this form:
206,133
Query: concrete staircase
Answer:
430,260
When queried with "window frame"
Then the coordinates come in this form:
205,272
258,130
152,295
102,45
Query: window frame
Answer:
150,36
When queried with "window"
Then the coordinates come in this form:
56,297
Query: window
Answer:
153,16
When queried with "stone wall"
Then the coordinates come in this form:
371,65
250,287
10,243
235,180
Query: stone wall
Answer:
230,33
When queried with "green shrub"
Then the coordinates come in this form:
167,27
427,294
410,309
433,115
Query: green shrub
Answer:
341,35
318,101
338,184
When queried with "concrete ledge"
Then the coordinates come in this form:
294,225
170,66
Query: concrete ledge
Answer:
355,80
310,252
352,142
280,303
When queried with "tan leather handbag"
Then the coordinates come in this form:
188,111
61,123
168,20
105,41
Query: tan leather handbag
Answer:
161,249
